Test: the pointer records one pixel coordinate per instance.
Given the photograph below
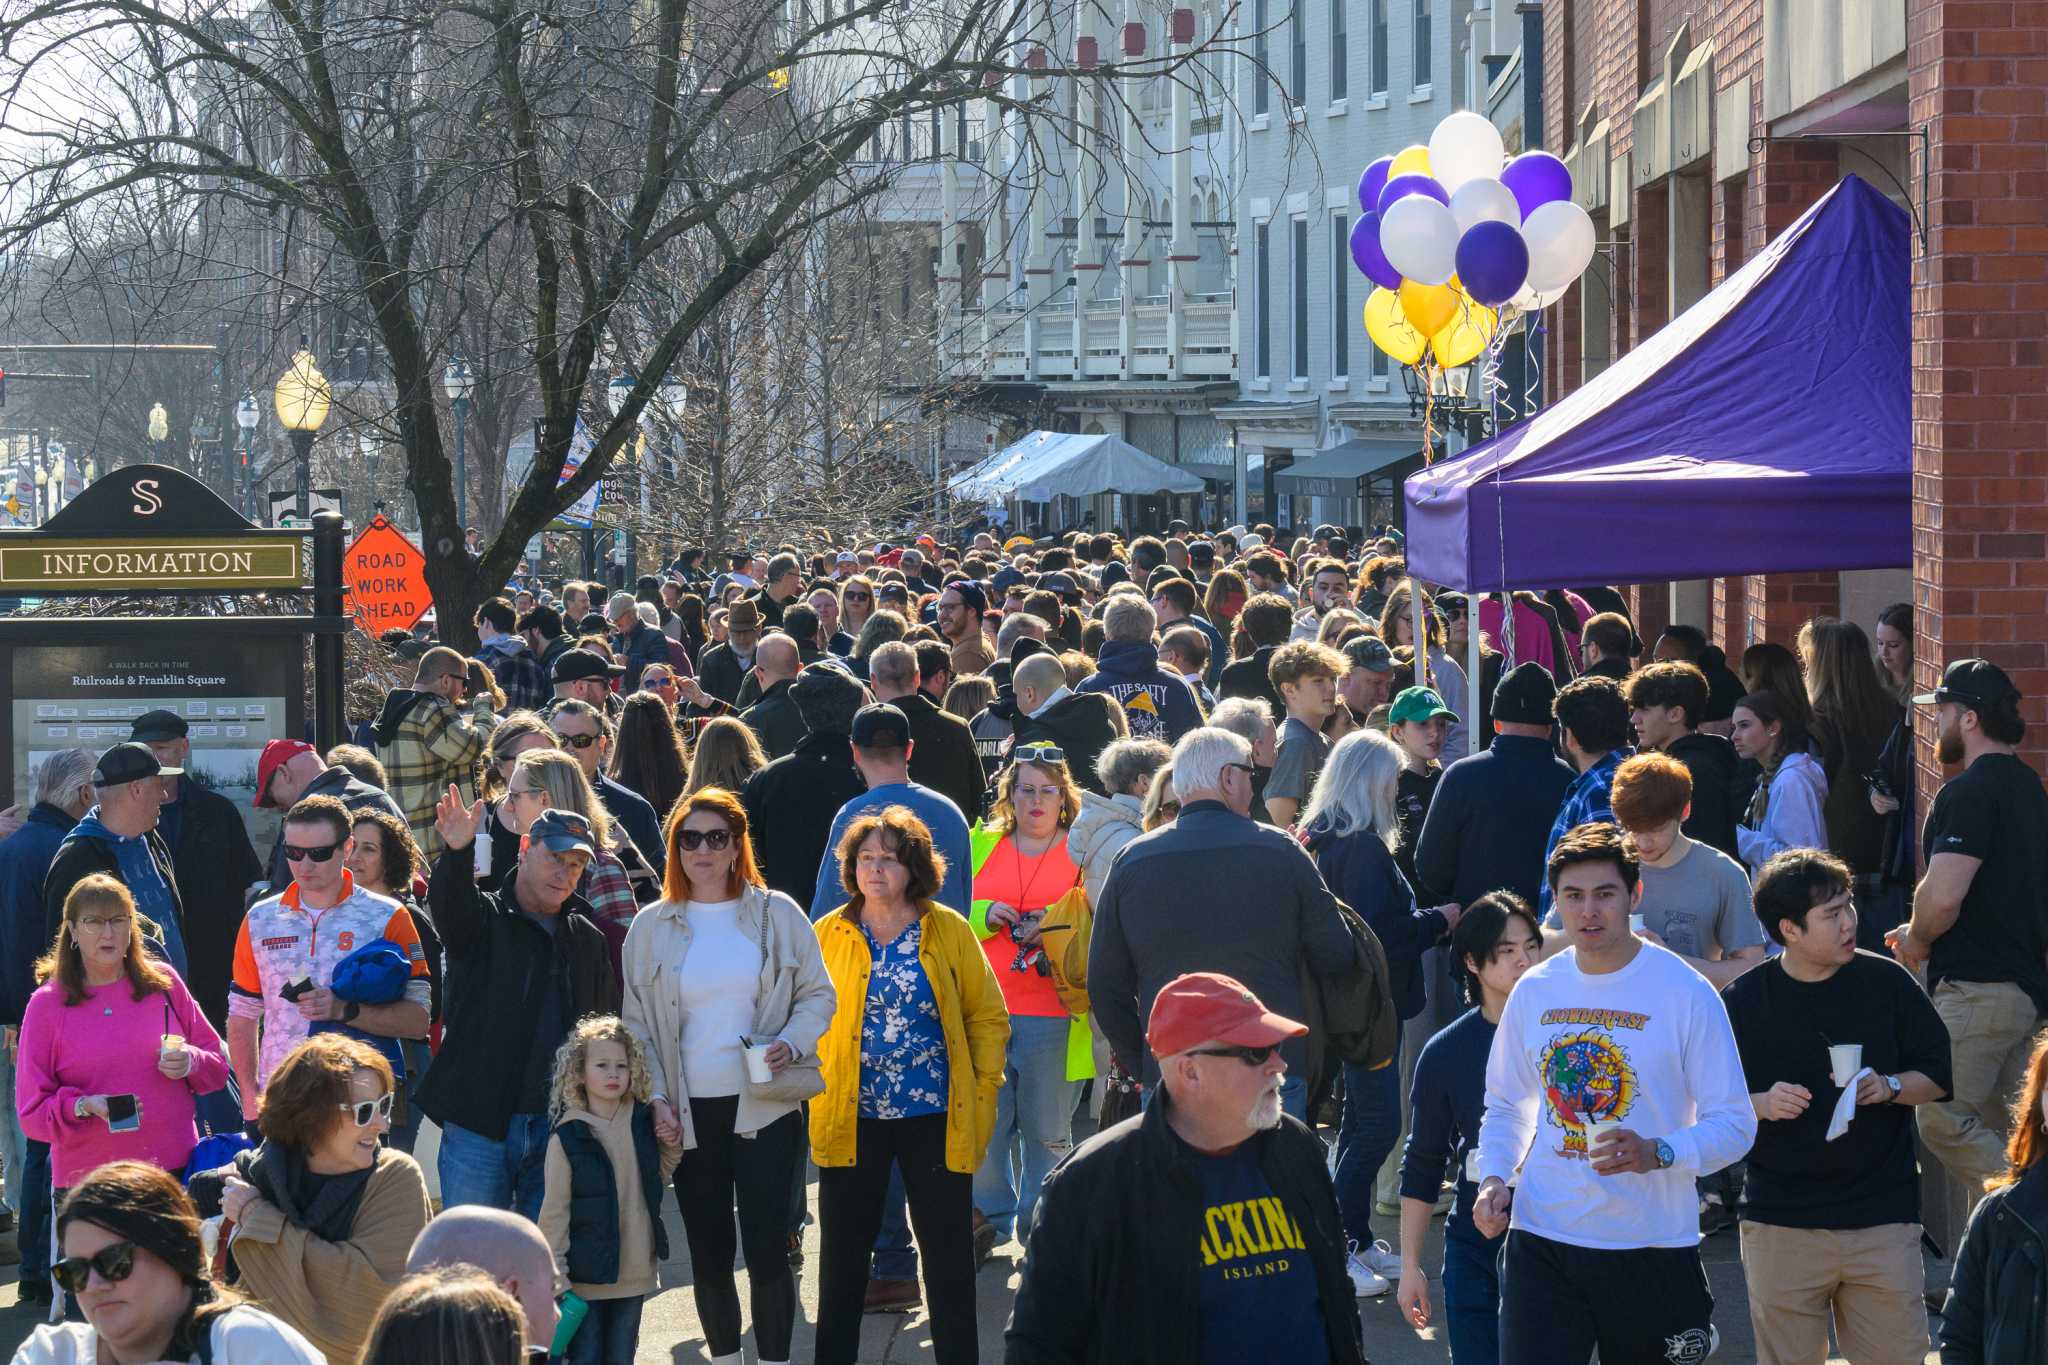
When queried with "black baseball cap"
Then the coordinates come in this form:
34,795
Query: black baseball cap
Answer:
154,727
1525,696
1974,683
129,762
1059,583
880,725
573,665
562,831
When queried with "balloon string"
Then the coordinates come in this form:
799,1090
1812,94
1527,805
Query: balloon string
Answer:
1428,414
1533,355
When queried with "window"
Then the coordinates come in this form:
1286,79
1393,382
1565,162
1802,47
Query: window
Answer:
1299,315
1379,362
1262,256
1379,47
1260,94
1340,295
1297,58
1339,82
1421,43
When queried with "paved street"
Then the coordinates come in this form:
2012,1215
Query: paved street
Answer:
670,1335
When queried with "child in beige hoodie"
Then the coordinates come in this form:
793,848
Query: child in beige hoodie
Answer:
601,1210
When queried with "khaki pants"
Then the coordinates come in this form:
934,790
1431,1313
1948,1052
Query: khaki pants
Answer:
1991,1027
1870,1277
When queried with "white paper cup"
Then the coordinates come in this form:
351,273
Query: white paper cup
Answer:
1847,1060
757,1063
1635,924
1596,1129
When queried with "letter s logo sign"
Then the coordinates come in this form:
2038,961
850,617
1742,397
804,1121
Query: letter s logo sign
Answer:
147,503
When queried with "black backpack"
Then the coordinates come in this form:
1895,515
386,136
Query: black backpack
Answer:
1359,1025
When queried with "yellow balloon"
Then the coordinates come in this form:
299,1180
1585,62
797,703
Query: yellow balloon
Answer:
1390,329
1429,306
1410,160
1465,336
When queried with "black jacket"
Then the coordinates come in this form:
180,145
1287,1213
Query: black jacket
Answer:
1999,1292
594,1195
721,673
495,956
791,804
1715,808
1081,724
1249,678
1114,1270
1490,821
215,865
775,720
633,813
942,753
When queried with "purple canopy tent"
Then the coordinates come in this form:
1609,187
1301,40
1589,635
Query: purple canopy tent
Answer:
1764,430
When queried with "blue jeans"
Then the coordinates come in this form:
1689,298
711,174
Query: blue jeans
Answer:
1034,1124
610,1334
1472,1301
895,1257
1371,1127
13,1143
32,1229
503,1175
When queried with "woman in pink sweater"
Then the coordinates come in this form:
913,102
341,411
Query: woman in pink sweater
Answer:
110,1025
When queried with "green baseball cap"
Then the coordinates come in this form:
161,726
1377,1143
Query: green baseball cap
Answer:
1419,703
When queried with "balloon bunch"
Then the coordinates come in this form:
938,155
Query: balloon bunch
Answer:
1454,234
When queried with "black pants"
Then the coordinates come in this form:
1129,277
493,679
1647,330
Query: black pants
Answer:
721,1171
941,1214
1642,1306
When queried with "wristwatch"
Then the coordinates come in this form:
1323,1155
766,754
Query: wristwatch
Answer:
355,1007
1892,1084
1665,1156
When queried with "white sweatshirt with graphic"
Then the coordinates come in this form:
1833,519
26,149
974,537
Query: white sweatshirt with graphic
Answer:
1649,1045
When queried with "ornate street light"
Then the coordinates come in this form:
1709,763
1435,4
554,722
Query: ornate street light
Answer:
457,381
303,397
159,429
248,413
616,393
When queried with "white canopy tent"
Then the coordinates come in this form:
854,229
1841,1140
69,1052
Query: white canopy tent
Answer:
1048,464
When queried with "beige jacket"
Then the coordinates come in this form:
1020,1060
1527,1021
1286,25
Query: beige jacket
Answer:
794,1002
637,1270
331,1291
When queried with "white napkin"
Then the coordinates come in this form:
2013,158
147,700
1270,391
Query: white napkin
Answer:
1845,1107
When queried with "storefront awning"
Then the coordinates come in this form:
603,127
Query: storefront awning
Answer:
1334,473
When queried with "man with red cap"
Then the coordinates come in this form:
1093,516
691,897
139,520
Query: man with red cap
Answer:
1212,1200
291,769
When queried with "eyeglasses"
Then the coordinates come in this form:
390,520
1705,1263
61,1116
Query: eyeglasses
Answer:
1247,769
97,923
1250,1056
515,793
299,853
368,1111
664,680
693,839
115,1263
1039,753
576,741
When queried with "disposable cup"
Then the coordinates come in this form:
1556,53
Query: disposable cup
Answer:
757,1063
1596,1128
171,1042
1846,1059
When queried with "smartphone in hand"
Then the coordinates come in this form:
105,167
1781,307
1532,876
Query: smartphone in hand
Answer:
124,1115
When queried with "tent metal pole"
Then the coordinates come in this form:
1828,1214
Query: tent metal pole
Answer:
1421,639
1474,675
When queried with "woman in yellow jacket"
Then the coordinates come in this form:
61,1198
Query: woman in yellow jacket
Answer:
912,1062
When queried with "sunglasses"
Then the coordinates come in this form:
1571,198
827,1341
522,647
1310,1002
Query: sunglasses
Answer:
297,853
693,839
1250,1056
114,1262
367,1111
663,681
577,741
1039,753
859,596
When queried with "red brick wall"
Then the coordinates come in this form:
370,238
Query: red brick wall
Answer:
1730,626
1976,74
1649,290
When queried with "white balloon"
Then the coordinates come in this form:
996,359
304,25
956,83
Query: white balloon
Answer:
1420,239
1560,238
1529,300
1485,200
1465,146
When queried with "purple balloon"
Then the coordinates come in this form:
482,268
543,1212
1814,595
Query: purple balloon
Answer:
1401,186
1493,262
1366,253
1536,179
1372,182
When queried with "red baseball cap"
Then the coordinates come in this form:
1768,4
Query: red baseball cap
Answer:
276,754
1202,1007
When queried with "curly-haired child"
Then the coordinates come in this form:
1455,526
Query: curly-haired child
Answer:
601,1211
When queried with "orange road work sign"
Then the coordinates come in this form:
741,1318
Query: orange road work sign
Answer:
387,579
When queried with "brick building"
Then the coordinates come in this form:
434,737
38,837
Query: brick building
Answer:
1698,129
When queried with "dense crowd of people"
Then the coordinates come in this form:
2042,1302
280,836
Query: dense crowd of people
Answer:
1186,913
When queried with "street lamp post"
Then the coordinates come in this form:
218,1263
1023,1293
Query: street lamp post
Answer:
247,414
458,382
302,398
675,399
159,429
617,392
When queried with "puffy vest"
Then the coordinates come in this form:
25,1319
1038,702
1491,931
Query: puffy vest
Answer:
594,1197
